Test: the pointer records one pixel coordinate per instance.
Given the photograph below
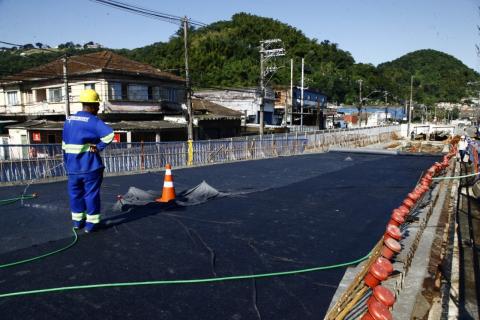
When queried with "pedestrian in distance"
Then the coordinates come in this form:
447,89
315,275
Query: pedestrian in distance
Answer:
462,149
84,136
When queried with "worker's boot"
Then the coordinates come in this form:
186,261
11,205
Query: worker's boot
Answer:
78,224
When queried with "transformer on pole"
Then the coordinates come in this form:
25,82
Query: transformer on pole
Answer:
269,49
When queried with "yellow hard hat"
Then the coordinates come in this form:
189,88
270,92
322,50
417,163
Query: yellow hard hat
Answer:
89,96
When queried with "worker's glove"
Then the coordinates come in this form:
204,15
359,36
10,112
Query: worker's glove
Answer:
93,148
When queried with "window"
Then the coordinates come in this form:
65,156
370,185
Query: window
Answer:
124,91
137,92
172,95
55,94
29,95
150,93
41,95
89,86
164,94
115,90
51,138
155,93
12,98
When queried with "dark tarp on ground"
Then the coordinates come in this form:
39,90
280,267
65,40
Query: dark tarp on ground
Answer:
287,213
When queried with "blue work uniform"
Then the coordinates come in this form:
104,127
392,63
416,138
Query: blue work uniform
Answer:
84,168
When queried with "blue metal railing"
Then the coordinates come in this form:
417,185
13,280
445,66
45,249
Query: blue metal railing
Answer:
43,161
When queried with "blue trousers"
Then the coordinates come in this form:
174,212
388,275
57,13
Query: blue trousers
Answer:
84,192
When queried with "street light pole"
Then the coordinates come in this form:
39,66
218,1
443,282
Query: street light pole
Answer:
301,97
410,106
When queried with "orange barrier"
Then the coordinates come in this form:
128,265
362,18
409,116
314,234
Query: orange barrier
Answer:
379,267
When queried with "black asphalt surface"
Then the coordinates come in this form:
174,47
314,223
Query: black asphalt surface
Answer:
287,213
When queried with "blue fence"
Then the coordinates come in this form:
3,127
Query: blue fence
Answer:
19,163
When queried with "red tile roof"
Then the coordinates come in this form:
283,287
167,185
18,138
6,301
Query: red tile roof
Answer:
102,61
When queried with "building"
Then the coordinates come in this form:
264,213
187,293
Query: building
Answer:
211,120
130,92
246,101
314,104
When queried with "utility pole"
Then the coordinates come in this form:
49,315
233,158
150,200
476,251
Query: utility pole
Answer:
386,106
317,122
291,93
262,88
188,95
187,81
410,106
65,85
266,52
301,97
360,103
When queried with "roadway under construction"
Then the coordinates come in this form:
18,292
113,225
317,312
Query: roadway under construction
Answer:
219,252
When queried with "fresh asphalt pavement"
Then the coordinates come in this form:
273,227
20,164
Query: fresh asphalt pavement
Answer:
281,214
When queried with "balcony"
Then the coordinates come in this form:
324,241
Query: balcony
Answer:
124,106
40,108
12,110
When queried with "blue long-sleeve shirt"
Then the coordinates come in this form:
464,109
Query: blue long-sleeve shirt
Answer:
79,132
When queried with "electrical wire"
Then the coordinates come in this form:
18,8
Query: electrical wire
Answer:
184,281
148,12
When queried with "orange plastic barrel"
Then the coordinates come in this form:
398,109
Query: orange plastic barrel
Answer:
390,248
383,295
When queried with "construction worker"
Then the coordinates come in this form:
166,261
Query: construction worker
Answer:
84,136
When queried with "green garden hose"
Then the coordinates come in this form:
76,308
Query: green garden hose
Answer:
11,264
186,281
457,177
13,200
153,282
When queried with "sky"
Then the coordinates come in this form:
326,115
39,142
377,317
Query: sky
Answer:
373,31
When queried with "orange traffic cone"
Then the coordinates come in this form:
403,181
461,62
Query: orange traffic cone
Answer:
168,192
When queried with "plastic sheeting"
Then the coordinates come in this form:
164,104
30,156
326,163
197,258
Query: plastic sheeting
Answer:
194,196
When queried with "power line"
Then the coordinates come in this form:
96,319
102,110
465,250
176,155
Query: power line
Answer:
148,12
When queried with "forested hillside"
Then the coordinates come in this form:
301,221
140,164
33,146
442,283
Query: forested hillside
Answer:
437,76
225,54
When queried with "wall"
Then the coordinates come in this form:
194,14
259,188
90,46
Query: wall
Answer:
38,102
241,100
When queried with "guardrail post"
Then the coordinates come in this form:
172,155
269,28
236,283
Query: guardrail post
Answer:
142,156
190,152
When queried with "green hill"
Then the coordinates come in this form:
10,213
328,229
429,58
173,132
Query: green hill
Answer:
225,54
437,76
